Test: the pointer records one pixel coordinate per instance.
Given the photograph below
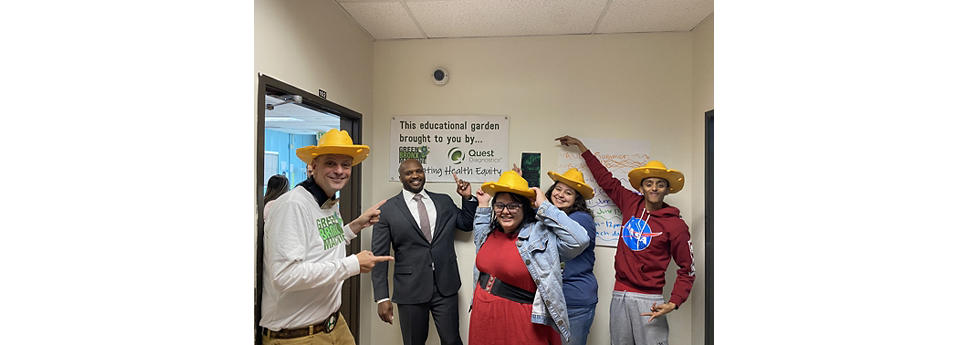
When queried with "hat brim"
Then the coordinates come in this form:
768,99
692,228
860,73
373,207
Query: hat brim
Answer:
493,188
358,152
586,191
675,178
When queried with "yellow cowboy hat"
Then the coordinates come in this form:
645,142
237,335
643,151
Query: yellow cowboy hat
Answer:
509,182
334,142
657,169
574,179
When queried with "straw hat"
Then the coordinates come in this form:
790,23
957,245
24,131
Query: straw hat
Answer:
657,169
509,182
334,142
574,179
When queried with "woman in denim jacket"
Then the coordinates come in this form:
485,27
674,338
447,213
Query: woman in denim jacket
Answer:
518,298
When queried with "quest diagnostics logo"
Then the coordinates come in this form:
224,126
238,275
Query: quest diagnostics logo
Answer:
456,156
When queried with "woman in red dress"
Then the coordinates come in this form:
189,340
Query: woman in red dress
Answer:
518,297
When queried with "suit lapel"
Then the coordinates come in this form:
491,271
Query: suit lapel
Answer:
405,212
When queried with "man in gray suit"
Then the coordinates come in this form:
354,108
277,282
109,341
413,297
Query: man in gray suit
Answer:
420,227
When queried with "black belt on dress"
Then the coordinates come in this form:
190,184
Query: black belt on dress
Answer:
326,326
501,289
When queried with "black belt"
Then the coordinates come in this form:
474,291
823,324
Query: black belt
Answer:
326,326
501,289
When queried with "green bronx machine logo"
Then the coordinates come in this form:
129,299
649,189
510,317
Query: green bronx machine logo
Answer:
331,230
456,156
414,152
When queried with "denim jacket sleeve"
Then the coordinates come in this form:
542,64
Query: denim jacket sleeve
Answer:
482,224
572,237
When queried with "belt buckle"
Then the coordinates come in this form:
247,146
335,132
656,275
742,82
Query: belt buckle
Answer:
490,284
330,323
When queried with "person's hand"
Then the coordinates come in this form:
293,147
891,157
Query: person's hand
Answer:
463,188
571,141
368,260
660,310
385,310
483,199
369,217
517,170
539,197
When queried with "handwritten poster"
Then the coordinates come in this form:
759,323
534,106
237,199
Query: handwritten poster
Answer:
475,147
619,157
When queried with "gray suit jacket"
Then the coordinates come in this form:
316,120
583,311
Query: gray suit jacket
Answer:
419,264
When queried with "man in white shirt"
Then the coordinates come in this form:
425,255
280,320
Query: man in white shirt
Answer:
420,227
305,249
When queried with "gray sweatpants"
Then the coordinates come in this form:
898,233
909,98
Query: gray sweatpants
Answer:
626,325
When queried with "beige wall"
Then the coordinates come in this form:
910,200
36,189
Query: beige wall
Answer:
598,86
314,45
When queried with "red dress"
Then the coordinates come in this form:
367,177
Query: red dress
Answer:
497,320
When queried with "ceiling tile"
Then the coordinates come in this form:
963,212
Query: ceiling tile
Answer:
654,15
485,18
383,20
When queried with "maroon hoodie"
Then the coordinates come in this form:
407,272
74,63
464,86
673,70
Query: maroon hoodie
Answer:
643,271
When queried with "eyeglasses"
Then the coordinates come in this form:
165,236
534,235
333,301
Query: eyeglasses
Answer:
513,207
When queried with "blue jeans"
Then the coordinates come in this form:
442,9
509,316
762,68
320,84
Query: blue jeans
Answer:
580,319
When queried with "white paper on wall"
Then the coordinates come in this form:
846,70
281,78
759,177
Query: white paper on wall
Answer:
619,156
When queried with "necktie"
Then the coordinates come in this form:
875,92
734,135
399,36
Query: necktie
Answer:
424,218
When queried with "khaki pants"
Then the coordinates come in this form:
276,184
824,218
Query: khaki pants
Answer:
339,336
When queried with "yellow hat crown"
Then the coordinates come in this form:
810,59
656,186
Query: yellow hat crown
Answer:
335,138
657,169
574,179
336,142
509,182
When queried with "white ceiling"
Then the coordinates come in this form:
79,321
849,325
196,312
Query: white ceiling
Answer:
403,19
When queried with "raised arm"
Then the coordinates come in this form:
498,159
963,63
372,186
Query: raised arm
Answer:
482,218
612,186
572,237
465,216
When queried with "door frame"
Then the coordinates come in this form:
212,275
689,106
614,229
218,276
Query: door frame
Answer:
350,196
708,234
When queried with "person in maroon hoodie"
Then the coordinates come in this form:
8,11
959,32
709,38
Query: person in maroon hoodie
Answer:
652,234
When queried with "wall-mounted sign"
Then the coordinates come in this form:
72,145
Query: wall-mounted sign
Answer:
475,147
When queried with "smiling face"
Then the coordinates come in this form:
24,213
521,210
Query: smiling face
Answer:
563,196
509,212
654,189
332,172
412,175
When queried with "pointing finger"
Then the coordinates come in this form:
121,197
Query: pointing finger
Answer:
374,207
382,258
455,178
